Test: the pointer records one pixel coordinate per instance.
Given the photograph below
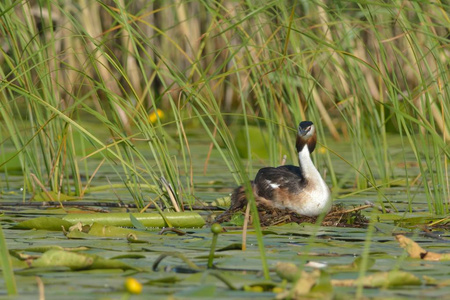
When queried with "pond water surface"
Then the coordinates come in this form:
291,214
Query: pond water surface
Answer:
333,247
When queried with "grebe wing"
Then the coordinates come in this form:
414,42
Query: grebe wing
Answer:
270,180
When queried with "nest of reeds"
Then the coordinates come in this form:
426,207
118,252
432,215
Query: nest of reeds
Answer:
339,216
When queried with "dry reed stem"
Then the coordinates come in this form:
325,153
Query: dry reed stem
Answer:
244,227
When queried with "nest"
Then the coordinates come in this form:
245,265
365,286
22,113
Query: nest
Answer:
337,217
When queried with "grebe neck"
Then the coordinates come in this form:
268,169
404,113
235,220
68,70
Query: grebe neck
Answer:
306,165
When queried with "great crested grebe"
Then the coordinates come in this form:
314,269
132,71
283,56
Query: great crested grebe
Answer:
300,189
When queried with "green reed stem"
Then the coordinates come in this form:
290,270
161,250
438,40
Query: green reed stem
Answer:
7,268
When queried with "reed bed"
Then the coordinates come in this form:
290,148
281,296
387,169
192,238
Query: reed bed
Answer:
363,71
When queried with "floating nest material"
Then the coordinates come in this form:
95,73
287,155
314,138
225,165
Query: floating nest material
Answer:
337,217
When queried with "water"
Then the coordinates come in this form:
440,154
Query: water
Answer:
290,243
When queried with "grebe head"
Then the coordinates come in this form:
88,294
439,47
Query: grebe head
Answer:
306,135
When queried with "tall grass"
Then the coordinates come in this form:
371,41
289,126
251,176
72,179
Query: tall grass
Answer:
362,71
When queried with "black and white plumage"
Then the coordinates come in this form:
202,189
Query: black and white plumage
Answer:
297,188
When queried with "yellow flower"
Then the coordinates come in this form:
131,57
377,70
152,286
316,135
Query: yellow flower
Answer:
133,286
153,116
322,150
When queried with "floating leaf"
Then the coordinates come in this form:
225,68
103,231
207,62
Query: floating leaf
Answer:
390,279
77,261
415,251
52,196
39,270
133,256
182,220
47,223
78,235
113,231
39,249
132,238
164,279
381,279
233,246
